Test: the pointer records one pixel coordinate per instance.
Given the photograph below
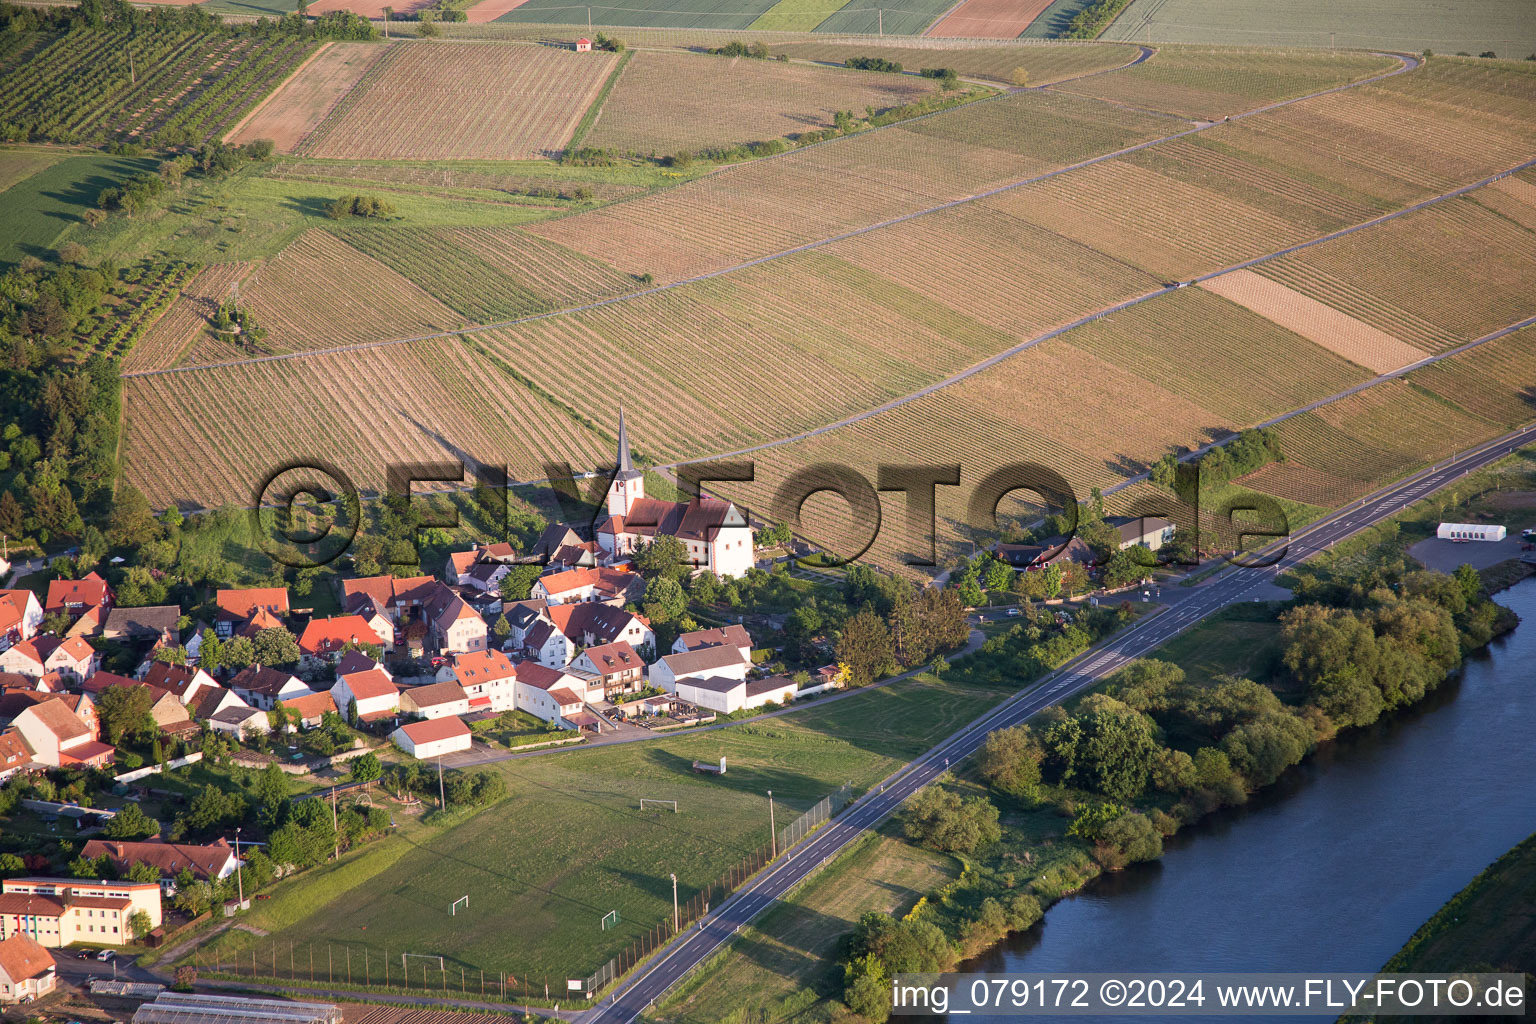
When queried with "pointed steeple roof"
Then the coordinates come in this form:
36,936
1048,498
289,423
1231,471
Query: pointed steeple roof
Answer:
627,470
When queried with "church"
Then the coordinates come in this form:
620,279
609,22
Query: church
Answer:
713,532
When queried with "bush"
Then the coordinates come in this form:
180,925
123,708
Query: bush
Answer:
872,64
943,821
366,207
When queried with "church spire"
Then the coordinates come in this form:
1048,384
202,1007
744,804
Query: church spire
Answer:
627,469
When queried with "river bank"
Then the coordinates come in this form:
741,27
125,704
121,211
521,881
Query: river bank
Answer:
1335,866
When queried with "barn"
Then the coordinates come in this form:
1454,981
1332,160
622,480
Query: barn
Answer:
433,737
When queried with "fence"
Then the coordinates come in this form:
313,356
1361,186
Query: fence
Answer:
156,769
369,968
699,904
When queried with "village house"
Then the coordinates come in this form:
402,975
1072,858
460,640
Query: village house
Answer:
249,611
241,722
58,737
262,687
324,639
373,693
726,662
727,695
74,660
560,547
185,681
1051,551
28,657
550,634
487,677
75,598
1150,532
574,586
21,616
714,534
734,635
211,701
616,667
311,709
156,624
456,627
27,970
212,861
60,911
435,700
433,738
545,643
549,693
482,567
15,754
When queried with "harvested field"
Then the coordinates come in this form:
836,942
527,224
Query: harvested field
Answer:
730,101
988,19
766,206
294,110
363,410
1045,63
1434,278
1338,332
446,101
1514,198
1211,84
320,292
1504,26
367,8
1496,380
187,320
1243,368
490,274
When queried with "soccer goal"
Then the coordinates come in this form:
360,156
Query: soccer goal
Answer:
454,909
421,956
667,803
610,920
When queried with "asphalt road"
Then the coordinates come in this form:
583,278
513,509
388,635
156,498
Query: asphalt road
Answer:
1184,608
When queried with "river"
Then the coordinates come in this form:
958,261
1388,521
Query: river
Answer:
1337,864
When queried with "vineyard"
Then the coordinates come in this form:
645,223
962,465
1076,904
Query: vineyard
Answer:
186,320
448,101
320,292
1504,26
1044,63
765,206
91,85
989,19
1338,332
1494,381
1349,447
1513,197
489,275
733,101
1434,278
1210,84
361,410
298,107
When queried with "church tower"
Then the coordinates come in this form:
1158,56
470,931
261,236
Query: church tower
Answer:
628,484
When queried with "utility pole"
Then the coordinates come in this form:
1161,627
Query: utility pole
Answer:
133,79
335,842
880,21
773,832
589,23
442,800
674,904
239,873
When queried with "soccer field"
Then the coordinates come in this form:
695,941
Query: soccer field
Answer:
1506,27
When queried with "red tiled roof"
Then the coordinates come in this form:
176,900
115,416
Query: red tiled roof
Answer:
482,666
370,683
21,956
326,636
534,674
311,705
89,592
614,658
435,729
434,694
239,605
563,697
13,749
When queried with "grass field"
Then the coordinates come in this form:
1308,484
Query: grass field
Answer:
788,957
298,107
1044,63
38,209
570,843
1504,26
733,101
1211,84
708,14
20,163
426,100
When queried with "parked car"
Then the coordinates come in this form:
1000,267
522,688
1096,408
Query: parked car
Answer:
105,955
1013,611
